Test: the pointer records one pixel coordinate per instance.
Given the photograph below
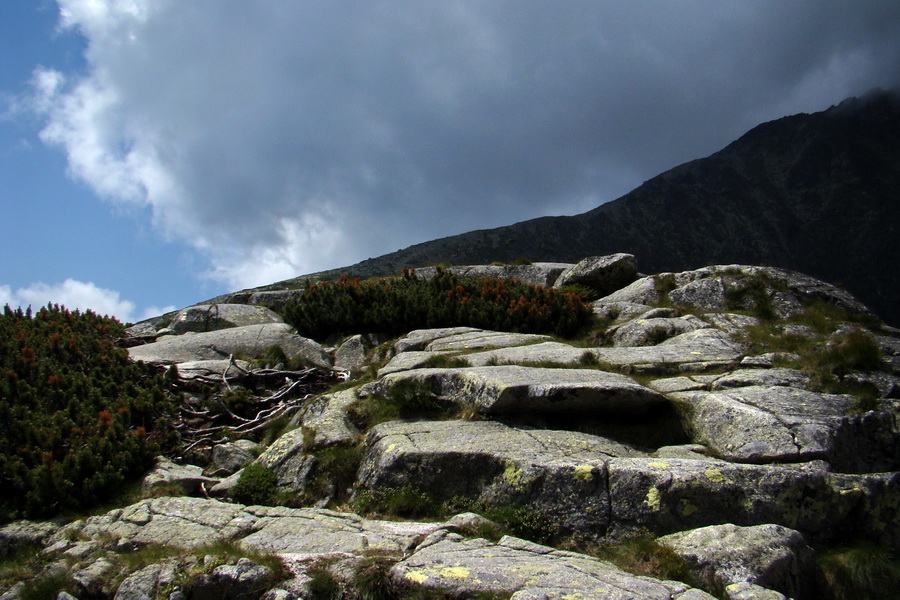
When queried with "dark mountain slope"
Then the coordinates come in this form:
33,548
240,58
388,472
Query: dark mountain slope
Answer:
817,193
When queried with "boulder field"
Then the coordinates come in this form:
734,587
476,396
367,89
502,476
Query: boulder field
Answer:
740,419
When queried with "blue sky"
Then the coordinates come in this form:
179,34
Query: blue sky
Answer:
154,153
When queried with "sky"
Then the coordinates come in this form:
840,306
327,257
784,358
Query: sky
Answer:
156,153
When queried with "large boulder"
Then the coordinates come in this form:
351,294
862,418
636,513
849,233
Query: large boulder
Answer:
605,274
518,389
770,556
558,473
251,340
211,317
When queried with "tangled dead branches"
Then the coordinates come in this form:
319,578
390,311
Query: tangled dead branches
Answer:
240,403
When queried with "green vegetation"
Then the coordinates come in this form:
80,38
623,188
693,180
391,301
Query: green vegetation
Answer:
829,345
642,554
256,485
863,570
406,399
77,417
398,305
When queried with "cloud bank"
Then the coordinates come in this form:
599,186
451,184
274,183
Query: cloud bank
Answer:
279,138
78,295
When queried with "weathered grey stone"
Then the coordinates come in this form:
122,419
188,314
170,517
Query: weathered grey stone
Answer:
145,583
412,359
326,418
703,347
705,294
683,383
188,477
93,579
767,360
555,352
212,368
503,389
605,274
620,312
419,338
287,458
274,299
21,534
229,458
15,592
770,556
211,317
641,291
351,355
479,340
560,473
245,580
763,377
448,563
687,451
671,494
251,340
544,274
308,531
651,331
776,423
730,322
751,591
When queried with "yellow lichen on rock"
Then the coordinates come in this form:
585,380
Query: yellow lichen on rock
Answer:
584,472
653,499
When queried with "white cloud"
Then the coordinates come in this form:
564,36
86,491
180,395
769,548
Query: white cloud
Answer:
278,138
73,294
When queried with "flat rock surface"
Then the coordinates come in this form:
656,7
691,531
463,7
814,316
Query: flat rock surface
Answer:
779,423
701,346
251,340
504,389
459,567
479,340
190,523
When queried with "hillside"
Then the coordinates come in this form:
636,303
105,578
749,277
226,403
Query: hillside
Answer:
816,193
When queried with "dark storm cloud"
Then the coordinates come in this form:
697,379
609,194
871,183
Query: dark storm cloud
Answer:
287,137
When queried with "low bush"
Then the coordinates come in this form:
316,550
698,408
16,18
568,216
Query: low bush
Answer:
256,485
395,306
77,417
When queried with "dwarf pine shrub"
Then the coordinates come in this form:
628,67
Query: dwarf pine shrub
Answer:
77,417
398,305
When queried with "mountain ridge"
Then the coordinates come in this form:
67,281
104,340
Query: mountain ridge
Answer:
816,193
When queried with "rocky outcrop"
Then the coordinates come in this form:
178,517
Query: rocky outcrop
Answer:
713,412
603,274
212,317
250,340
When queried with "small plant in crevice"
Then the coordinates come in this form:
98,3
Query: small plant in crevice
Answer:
443,361
333,474
861,570
406,501
256,485
641,554
405,399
